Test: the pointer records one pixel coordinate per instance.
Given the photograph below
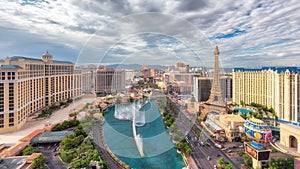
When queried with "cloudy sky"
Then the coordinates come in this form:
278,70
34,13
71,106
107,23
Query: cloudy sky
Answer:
250,33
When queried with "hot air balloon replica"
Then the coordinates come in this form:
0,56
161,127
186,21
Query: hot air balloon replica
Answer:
258,132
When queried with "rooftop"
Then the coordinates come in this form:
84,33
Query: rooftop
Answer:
232,117
50,137
36,59
292,127
10,67
278,69
213,125
13,150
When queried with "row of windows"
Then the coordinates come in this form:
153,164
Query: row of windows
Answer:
1,97
11,120
8,76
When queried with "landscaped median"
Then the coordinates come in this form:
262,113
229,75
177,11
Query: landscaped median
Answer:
176,134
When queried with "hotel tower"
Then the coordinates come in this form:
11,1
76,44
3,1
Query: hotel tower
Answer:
276,87
28,85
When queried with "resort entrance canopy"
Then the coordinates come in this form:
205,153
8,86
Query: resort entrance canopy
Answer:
50,137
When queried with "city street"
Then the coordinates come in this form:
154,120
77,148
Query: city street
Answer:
111,163
200,153
53,160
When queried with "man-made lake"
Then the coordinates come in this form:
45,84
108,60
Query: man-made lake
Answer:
157,145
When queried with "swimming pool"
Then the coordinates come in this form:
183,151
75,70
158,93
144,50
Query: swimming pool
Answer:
243,110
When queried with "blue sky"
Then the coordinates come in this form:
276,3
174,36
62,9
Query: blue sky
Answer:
250,33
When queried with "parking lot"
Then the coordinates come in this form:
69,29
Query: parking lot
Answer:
12,163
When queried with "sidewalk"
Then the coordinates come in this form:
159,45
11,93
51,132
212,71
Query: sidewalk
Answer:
191,163
291,151
56,117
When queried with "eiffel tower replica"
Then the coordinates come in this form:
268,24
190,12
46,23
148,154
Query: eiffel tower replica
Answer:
215,101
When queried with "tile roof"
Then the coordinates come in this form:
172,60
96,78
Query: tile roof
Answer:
10,67
35,59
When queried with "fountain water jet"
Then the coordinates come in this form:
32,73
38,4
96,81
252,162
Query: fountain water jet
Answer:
131,111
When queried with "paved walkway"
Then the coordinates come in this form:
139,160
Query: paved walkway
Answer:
191,162
56,117
291,151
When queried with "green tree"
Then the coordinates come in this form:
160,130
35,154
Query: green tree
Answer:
242,103
188,151
246,159
39,162
28,151
221,162
229,166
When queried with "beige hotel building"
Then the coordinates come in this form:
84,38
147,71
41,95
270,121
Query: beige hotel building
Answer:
276,87
28,85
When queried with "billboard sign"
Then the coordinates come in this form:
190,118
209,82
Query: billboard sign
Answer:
260,155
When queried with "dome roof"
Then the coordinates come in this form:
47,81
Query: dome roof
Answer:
47,54
47,57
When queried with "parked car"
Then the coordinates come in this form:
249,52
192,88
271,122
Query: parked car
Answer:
208,158
218,155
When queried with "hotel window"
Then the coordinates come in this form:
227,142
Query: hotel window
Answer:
1,120
13,75
11,119
8,75
3,76
1,97
11,96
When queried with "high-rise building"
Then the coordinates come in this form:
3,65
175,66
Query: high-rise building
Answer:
277,87
202,87
88,78
109,80
28,85
182,67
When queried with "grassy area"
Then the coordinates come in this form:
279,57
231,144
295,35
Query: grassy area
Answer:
65,125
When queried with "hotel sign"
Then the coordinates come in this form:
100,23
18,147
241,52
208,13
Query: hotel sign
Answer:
260,155
251,151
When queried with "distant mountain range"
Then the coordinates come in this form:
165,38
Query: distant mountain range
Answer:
137,66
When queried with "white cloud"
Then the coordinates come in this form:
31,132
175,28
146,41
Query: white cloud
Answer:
271,29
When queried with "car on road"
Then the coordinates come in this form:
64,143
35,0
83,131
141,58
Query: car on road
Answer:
229,151
208,158
218,155
219,145
241,146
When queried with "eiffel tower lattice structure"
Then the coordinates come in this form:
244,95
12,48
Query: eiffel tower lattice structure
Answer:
215,101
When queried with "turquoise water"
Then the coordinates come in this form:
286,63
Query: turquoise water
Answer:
243,110
159,150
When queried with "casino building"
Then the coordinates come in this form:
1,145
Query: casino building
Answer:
28,85
277,87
